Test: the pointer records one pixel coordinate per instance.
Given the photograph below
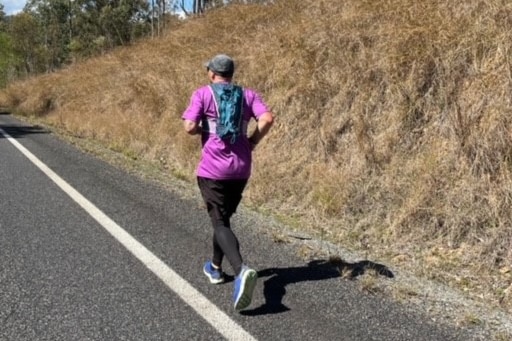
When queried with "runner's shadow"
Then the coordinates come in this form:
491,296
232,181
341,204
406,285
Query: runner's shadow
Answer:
274,288
18,131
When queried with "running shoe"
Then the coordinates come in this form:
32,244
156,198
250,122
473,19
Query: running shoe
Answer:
214,275
244,287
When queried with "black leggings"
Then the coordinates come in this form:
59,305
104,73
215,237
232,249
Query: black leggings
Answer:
222,198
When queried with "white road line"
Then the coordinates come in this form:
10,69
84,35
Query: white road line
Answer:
216,317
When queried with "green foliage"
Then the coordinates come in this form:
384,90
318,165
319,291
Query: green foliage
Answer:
26,38
55,22
117,21
51,33
2,18
7,59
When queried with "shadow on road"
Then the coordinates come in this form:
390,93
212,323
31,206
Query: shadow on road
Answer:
18,131
278,278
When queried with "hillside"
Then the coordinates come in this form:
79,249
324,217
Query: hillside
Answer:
393,133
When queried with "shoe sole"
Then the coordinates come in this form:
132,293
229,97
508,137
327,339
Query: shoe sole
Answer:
213,280
248,284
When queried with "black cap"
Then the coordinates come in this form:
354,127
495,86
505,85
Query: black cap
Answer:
222,65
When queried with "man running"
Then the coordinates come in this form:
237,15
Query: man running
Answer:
220,113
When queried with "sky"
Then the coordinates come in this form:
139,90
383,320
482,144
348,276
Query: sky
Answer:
15,6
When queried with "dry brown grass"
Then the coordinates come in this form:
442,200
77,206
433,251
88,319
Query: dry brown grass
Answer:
393,134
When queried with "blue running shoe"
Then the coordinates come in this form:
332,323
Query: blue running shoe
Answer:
214,275
244,287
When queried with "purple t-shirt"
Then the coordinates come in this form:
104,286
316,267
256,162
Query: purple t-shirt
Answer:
221,160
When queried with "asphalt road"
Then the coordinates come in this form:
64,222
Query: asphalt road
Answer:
64,276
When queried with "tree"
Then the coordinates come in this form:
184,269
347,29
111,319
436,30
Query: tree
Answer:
103,24
81,28
2,18
118,20
26,39
158,16
7,59
54,18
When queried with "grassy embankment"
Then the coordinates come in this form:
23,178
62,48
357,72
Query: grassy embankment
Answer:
393,133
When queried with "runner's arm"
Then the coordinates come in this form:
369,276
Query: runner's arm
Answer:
192,127
265,121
